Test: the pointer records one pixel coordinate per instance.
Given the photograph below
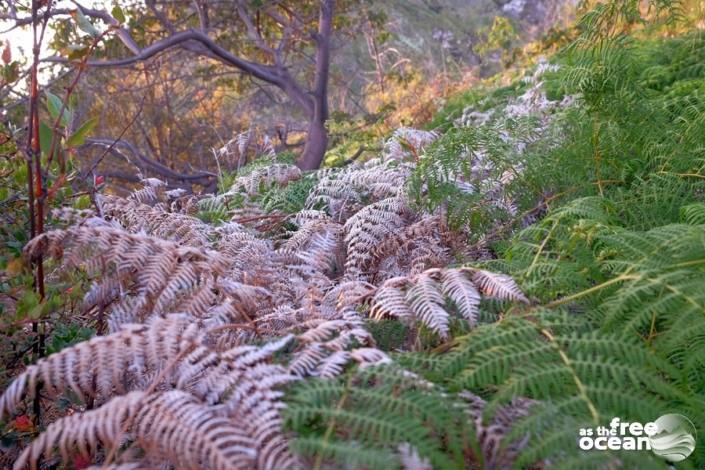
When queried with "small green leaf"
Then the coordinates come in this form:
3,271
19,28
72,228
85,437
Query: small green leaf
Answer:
118,14
54,104
27,304
77,52
10,72
36,312
45,137
20,174
85,25
79,137
82,202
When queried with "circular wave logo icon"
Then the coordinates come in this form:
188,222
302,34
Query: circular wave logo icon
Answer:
675,438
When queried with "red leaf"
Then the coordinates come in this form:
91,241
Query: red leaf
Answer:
98,180
7,53
81,461
23,424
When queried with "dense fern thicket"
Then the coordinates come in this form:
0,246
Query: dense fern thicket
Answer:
470,299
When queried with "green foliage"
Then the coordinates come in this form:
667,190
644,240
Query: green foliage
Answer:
453,109
389,335
481,98
290,198
501,36
581,377
67,335
361,421
351,135
635,137
57,109
24,315
615,268
447,175
212,210
79,136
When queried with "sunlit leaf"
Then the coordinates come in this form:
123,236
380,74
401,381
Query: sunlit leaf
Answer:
45,137
85,25
118,13
27,303
79,137
54,104
11,72
82,202
77,52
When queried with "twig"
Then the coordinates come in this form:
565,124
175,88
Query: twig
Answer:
34,157
355,155
119,137
260,217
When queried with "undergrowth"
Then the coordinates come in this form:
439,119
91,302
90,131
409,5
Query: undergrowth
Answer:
471,298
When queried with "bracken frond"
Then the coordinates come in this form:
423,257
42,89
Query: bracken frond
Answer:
423,296
172,426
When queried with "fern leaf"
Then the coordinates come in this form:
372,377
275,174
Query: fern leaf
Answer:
426,300
458,288
496,285
172,425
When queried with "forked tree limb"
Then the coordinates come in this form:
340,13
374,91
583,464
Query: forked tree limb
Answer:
144,163
312,101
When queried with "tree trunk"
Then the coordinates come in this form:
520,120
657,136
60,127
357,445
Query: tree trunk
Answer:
316,144
317,140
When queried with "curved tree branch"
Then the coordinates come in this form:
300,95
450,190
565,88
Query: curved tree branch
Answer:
313,102
144,163
275,75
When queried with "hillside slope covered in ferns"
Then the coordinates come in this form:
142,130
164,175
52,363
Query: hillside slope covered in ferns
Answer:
470,298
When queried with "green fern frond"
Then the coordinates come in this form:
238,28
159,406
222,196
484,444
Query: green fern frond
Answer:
212,210
694,214
580,378
290,198
378,410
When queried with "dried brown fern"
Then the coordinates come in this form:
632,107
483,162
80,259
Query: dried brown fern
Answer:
423,244
492,435
330,345
105,365
137,217
153,192
423,296
317,246
265,176
137,275
408,143
217,391
367,229
341,191
170,426
212,320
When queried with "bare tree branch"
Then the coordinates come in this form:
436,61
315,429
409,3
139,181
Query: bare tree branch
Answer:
275,75
202,11
314,102
145,163
121,32
252,31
